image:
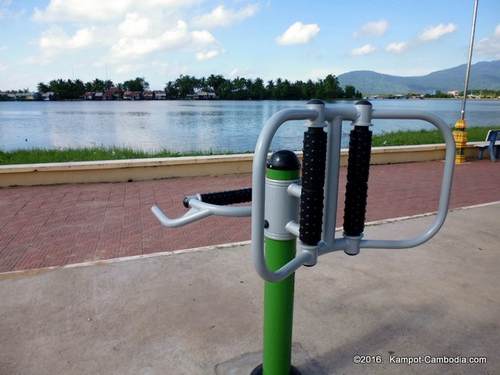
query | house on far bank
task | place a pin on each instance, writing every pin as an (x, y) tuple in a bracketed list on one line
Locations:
[(160, 95), (202, 94), (113, 93), (148, 95), (20, 96), (132, 95), (91, 95), (416, 96), (49, 95), (454, 93)]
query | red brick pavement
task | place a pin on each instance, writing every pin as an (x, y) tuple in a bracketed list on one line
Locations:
[(56, 225)]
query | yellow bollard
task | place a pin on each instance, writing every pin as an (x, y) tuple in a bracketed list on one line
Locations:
[(460, 135)]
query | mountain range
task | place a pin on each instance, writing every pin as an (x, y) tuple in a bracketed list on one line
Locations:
[(484, 75)]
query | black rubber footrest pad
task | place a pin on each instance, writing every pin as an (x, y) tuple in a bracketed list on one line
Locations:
[(224, 198)]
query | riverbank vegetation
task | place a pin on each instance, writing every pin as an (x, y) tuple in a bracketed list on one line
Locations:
[(190, 87), (256, 89), (423, 137), (399, 138)]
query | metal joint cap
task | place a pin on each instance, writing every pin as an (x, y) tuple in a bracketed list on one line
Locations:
[(313, 254), (352, 244), (319, 106), (364, 113)]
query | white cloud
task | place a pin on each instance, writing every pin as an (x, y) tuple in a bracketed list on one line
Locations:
[(101, 10), (127, 68), (3, 67), (363, 50), (397, 47), (134, 25), (178, 37), (202, 37), (373, 28), (221, 16), (55, 40), (436, 32), (490, 47), (74, 10), (207, 55), (298, 33)]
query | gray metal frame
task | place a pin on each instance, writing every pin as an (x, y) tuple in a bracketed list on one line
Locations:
[(335, 115)]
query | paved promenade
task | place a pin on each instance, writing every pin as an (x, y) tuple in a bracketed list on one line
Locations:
[(200, 312), (56, 225)]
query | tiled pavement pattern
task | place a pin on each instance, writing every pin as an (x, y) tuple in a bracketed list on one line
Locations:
[(63, 224)]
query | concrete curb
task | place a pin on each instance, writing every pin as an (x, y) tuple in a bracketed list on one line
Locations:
[(158, 168)]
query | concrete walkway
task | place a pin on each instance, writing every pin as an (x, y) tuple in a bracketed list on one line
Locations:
[(55, 225), (199, 312)]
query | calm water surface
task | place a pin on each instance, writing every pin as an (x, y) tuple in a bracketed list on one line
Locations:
[(188, 125)]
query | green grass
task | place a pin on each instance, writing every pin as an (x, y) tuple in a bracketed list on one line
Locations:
[(88, 154), (399, 138), (421, 137)]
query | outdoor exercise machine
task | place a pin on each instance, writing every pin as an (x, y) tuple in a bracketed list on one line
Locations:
[(288, 205)]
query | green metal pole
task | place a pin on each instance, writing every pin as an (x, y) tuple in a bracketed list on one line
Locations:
[(278, 297), (278, 310)]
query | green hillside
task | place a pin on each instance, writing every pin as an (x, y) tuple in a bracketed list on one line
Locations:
[(484, 75)]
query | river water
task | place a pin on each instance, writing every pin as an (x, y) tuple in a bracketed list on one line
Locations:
[(189, 125)]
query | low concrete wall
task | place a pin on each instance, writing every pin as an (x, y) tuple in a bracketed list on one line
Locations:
[(157, 168)]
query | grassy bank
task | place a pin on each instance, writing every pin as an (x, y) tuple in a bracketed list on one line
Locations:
[(422, 137), (87, 154), (91, 154)]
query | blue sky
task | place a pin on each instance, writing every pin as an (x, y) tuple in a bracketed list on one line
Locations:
[(161, 39)]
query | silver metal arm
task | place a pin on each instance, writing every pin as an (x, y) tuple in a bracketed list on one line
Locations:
[(189, 217), (199, 210)]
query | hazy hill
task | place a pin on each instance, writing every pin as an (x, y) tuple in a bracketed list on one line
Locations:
[(484, 75)]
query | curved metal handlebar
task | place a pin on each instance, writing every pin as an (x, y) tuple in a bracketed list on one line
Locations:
[(199, 210), (444, 195), (335, 115), (258, 194)]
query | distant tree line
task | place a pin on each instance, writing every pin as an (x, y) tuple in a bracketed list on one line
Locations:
[(256, 89), (187, 86), (76, 89), (439, 94)]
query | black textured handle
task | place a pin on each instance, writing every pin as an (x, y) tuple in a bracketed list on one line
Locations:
[(313, 180), (224, 198), (356, 191)]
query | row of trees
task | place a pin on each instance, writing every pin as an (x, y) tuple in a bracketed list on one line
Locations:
[(75, 89), (256, 89), (233, 89)]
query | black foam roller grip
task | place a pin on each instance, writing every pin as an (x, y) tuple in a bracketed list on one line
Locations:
[(356, 192), (224, 198), (313, 180)]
